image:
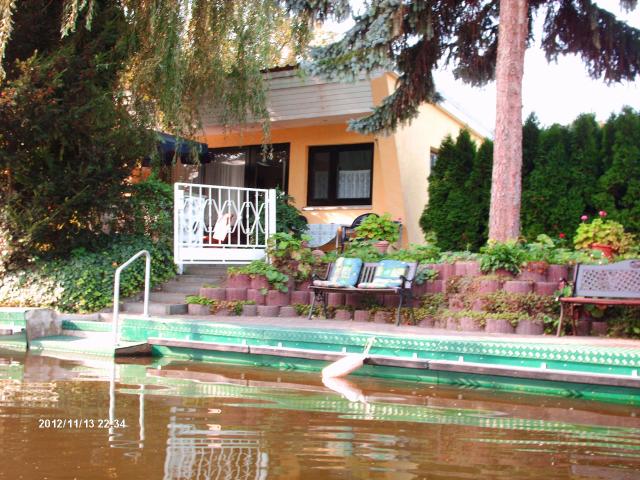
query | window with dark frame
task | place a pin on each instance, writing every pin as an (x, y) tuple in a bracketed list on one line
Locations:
[(433, 158), (340, 175)]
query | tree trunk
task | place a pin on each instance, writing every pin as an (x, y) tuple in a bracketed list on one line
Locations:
[(506, 180)]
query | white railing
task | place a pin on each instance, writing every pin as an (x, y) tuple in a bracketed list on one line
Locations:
[(115, 328), (218, 224)]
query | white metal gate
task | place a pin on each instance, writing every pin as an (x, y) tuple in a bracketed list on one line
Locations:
[(216, 224)]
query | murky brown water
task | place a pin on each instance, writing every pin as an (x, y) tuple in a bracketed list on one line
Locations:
[(194, 421)]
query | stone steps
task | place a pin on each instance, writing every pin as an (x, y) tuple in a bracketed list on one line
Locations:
[(167, 297), (155, 308)]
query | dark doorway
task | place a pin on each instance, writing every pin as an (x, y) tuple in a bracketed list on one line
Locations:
[(252, 167)]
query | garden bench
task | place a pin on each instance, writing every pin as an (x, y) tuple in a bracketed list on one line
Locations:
[(617, 284), (366, 275)]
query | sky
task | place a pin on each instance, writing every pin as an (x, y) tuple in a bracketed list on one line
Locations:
[(556, 92)]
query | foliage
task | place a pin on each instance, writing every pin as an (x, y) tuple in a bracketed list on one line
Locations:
[(425, 274), (84, 282), (567, 171), (148, 210), (288, 218), (290, 255), (363, 250), (67, 144), (530, 304), (605, 232), (449, 212), (198, 300), (378, 227), (279, 281), (619, 187), (414, 37), (502, 256), (181, 52), (416, 253)]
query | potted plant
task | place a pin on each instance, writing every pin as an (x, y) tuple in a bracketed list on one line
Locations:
[(603, 235), (503, 258), (538, 255), (379, 229)]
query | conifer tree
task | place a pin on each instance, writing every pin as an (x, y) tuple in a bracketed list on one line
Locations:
[(551, 201), (478, 188), (450, 210), (586, 163), (620, 184)]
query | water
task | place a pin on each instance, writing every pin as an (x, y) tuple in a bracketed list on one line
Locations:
[(198, 421)]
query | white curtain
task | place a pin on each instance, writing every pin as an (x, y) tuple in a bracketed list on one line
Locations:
[(228, 172), (354, 183)]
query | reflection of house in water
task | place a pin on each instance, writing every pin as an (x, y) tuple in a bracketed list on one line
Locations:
[(200, 454)]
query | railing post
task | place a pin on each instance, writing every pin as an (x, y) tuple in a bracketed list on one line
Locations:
[(271, 209), (115, 328), (177, 202)]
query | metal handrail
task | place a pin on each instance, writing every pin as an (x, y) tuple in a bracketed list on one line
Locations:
[(116, 291)]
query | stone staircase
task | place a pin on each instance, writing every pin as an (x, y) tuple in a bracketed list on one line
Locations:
[(169, 298)]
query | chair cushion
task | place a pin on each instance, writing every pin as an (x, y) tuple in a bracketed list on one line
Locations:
[(387, 275), (345, 273)]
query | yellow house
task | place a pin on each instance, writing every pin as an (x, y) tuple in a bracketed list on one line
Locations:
[(333, 174)]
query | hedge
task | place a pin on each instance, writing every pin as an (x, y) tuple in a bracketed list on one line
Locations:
[(84, 282)]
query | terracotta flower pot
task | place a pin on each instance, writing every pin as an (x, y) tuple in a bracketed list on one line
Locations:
[(382, 246), (259, 282), (530, 327), (607, 250), (239, 280), (197, 309), (468, 324), (496, 325), (361, 316)]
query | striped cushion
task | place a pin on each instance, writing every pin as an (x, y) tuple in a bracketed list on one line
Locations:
[(345, 273), (387, 275)]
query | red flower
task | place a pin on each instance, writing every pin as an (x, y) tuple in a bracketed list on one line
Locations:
[(584, 218), (602, 213), (562, 235)]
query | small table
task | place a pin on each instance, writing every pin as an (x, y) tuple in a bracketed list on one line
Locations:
[(321, 233)]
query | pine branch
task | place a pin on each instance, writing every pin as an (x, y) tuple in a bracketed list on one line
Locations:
[(609, 47)]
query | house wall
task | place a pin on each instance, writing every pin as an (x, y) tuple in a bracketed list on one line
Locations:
[(300, 139), (401, 164), (411, 146)]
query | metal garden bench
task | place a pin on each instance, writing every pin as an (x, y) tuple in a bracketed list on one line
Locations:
[(367, 273), (617, 284)]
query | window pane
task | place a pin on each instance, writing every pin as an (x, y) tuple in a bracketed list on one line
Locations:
[(354, 174), (321, 166), (226, 168)]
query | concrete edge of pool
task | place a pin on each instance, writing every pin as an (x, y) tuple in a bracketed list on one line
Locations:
[(606, 371)]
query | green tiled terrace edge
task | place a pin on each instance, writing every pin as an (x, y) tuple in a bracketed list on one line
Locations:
[(86, 326), (567, 357)]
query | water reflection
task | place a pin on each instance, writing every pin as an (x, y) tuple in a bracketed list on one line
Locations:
[(194, 452), (199, 421)]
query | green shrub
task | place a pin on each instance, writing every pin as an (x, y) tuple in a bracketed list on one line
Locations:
[(275, 278), (427, 253), (378, 228), (288, 218), (84, 282), (149, 210), (502, 256)]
